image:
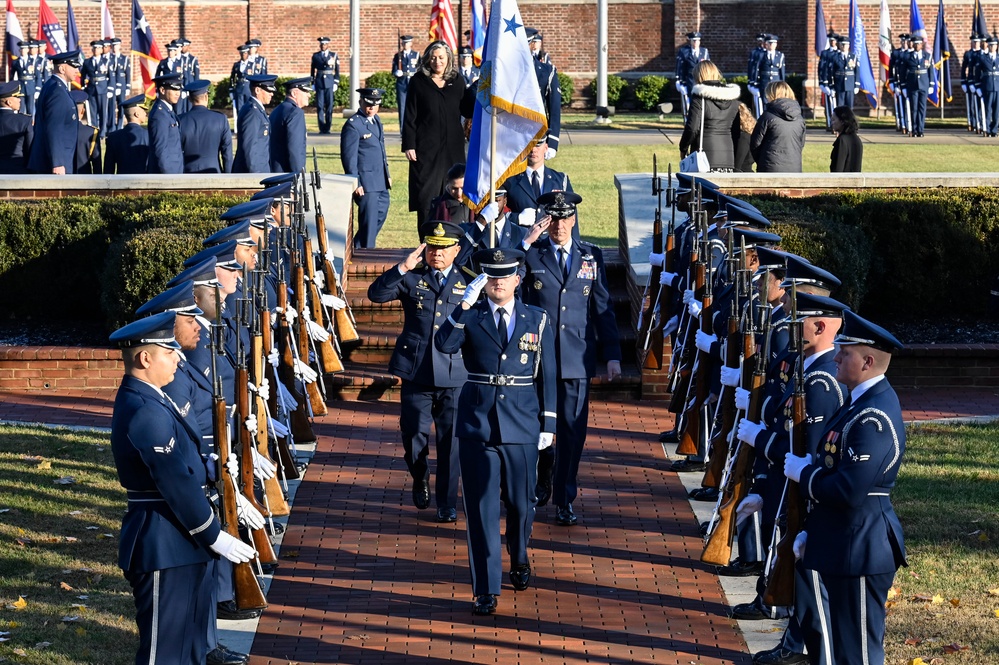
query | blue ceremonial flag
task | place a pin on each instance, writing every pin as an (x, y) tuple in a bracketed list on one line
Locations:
[(821, 32), (508, 94), (72, 34), (144, 46), (858, 44), (940, 74), (978, 26), (916, 26)]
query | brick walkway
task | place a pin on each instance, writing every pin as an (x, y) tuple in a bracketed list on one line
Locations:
[(366, 578)]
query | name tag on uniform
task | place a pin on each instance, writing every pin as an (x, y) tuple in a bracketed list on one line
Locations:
[(539, 272)]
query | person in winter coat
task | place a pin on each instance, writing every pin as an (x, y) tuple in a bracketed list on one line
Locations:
[(779, 137), (718, 103), (741, 136), (847, 151)]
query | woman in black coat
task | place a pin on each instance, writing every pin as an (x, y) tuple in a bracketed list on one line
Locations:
[(847, 151), (779, 137), (433, 137), (719, 103)]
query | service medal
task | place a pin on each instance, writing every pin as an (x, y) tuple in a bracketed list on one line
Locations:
[(830, 461), (523, 358), (537, 285)]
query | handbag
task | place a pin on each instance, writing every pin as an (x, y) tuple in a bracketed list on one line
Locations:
[(697, 162)]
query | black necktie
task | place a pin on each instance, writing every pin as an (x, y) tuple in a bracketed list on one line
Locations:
[(562, 263), (440, 278), (536, 184), (501, 325)]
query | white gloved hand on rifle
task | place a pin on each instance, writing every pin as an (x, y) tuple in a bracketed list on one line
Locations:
[(799, 545), (671, 325), (473, 289), (304, 372), (794, 465), (248, 515), (742, 399), (251, 424), (280, 431), (666, 278), (333, 302), (273, 357), (317, 332), (319, 280), (330, 256), (748, 431), (264, 390), (233, 549), (748, 507), (730, 376), (657, 260), (703, 341), (232, 466), (290, 314), (545, 440), (263, 468)]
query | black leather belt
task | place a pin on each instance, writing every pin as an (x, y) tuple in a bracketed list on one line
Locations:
[(500, 379)]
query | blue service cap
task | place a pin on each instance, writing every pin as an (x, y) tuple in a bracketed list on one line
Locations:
[(802, 272), (499, 262), (171, 81), (752, 238), (240, 232), (809, 304), (198, 86), (685, 181), (179, 299), (739, 216), (134, 101), (96, 42), (243, 48), (259, 209), (199, 274), (772, 38), (10, 89), (560, 204), (224, 253), (281, 191), (773, 259), (183, 41), (277, 179), (254, 42), (858, 330), (156, 329), (79, 96), (303, 83), (370, 96), (266, 81), (323, 40), (694, 35), (68, 57)]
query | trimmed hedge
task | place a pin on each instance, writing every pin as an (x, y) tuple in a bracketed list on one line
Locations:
[(566, 87), (385, 81), (649, 91), (616, 87)]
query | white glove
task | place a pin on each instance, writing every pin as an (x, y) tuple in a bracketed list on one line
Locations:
[(749, 506), (753, 89), (397, 72), (263, 468), (319, 280), (550, 153), (929, 91), (799, 545), (333, 302), (273, 358), (703, 341), (251, 424), (330, 256), (964, 87), (748, 431), (671, 325), (264, 390), (290, 314), (473, 289), (317, 332), (794, 465), (233, 549), (730, 376), (978, 92), (248, 515), (280, 431), (682, 89), (490, 211), (110, 94), (856, 90), (336, 86), (666, 278), (545, 440), (694, 307), (285, 398), (232, 466), (527, 217), (211, 466), (304, 372), (688, 296), (742, 399), (657, 259)]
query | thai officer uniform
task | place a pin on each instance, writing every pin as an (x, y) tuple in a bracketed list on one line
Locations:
[(988, 73), (917, 85), (843, 73), (55, 124), (363, 155), (288, 135), (572, 288), (239, 87), (205, 137), (253, 152), (165, 152), (16, 133), (853, 541), (326, 79), (127, 150), (430, 378), (506, 410), (404, 66)]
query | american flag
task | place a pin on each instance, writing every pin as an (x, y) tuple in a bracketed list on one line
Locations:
[(442, 24)]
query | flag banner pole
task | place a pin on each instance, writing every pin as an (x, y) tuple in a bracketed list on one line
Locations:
[(492, 175)]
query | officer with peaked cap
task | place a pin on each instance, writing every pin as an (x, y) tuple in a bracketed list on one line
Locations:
[(524, 189), (918, 84), (770, 67), (165, 152), (253, 152), (404, 65), (24, 68), (127, 150), (87, 158), (94, 79), (325, 75), (205, 137), (363, 155), (429, 285), (56, 120), (506, 413), (551, 94), (288, 136), (121, 68), (468, 71), (687, 57), (169, 534), (16, 130), (239, 88), (566, 277)]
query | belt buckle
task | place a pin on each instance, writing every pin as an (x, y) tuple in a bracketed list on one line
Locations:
[(501, 380)]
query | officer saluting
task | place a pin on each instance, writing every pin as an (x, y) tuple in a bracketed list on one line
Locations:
[(16, 130), (169, 534), (326, 79), (404, 65), (506, 412)]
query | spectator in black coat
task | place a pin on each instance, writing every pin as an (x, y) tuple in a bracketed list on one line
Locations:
[(779, 137), (741, 136), (718, 103), (847, 150)]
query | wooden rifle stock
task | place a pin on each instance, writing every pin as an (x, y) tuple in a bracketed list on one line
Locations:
[(301, 428), (315, 396), (284, 456), (650, 350), (328, 357), (346, 329), (265, 551), (684, 368), (719, 443), (276, 501), (702, 388)]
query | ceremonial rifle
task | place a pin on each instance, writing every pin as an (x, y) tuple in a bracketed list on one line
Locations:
[(687, 353), (650, 352), (328, 358)]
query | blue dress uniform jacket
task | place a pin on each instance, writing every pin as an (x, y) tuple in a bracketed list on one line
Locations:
[(520, 193), (200, 359), (917, 84), (686, 60), (191, 391), (287, 144), (88, 150), (55, 129), (165, 152), (24, 68), (253, 152), (404, 65), (843, 75), (551, 93), (510, 235), (768, 70), (325, 73), (16, 135), (988, 72), (127, 150), (94, 79), (362, 154), (205, 139)]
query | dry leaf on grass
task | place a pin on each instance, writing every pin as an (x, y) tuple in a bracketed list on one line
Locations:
[(19, 604), (912, 641), (954, 647), (922, 598), (892, 593), (20, 652), (76, 512), (44, 464), (937, 599), (23, 542), (65, 587), (917, 661), (956, 602)]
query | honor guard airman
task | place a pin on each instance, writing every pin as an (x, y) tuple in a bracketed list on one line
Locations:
[(326, 79), (127, 150), (752, 70), (404, 66), (166, 154), (494, 218), (288, 135), (969, 81), (56, 119), (918, 85), (770, 67), (16, 130), (535, 41), (122, 80), (239, 87), (988, 75), (362, 155), (253, 152), (466, 68), (190, 70), (551, 95), (172, 64), (506, 413), (687, 57), (94, 79), (24, 70), (258, 61), (843, 73), (205, 137)]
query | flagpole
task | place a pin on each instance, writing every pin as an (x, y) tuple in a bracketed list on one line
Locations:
[(492, 173)]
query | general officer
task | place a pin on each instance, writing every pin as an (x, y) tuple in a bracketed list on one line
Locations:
[(56, 119), (524, 189), (16, 130), (253, 152), (505, 415), (988, 71), (239, 87), (843, 73), (566, 278), (687, 57), (288, 136), (551, 94), (917, 84), (852, 543), (326, 79), (205, 137), (165, 152), (127, 150), (87, 157), (169, 535), (404, 66), (362, 154), (430, 286)]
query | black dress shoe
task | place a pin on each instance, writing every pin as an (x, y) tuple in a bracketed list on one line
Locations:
[(544, 493), (520, 576), (447, 515), (779, 656), (686, 465), (421, 494), (222, 655), (269, 568), (229, 612), (564, 516), (704, 494), (740, 568), (749, 612), (669, 436), (484, 604), (703, 528)]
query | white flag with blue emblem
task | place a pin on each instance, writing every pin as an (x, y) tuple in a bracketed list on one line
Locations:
[(508, 89)]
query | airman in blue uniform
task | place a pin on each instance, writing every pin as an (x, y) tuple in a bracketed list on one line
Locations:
[(190, 69), (239, 87), (430, 285), (506, 413), (988, 71), (566, 278), (24, 70), (288, 135), (752, 70), (205, 137), (917, 84), (362, 154), (94, 78), (258, 62), (524, 189), (466, 68), (404, 65), (843, 73), (170, 535), (166, 154), (326, 79), (969, 81), (770, 67), (44, 68), (127, 150), (551, 93), (87, 158), (16, 130), (56, 119), (121, 66), (687, 57), (253, 152)]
